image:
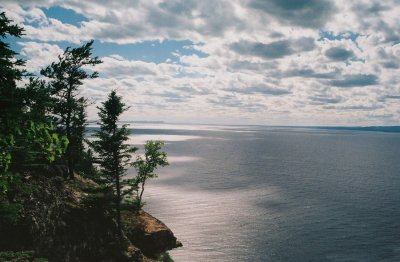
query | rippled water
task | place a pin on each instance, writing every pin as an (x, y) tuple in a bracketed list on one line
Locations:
[(278, 194)]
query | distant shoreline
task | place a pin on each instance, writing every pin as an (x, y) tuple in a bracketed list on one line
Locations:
[(386, 129)]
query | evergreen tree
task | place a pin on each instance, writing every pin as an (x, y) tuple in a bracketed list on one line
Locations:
[(78, 131), (26, 140), (11, 71), (37, 101), (10, 102), (114, 154), (67, 75)]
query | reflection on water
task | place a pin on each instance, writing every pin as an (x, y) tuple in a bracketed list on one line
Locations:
[(141, 139), (280, 194), (180, 159), (209, 223)]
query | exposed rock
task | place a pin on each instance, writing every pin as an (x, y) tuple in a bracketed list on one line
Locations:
[(149, 234), (134, 254), (66, 220)]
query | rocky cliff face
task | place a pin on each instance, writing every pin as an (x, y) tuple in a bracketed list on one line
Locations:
[(149, 234), (65, 221)]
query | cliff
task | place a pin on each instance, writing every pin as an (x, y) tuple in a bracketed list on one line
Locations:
[(68, 220), (149, 234)]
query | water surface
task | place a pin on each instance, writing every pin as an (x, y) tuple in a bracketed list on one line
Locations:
[(278, 194)]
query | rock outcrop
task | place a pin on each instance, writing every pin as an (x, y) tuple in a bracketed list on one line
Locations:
[(149, 234), (67, 221)]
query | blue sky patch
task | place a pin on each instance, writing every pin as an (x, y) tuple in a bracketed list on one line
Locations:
[(149, 51), (66, 16), (331, 36)]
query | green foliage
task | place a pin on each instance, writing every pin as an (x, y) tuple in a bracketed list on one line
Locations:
[(9, 213), (34, 145), (86, 166), (165, 257), (113, 153), (79, 118), (48, 144), (40, 260), (26, 137), (46, 120), (97, 198), (66, 76), (131, 199), (6, 143), (18, 256), (10, 72), (37, 101), (153, 158)]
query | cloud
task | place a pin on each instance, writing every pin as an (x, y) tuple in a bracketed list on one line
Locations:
[(305, 13), (320, 100), (389, 57), (302, 58), (272, 50), (261, 89), (384, 98), (380, 18), (232, 101), (391, 64), (355, 80), (310, 73), (339, 54), (238, 65), (39, 54), (171, 97), (360, 107), (116, 67), (189, 90)]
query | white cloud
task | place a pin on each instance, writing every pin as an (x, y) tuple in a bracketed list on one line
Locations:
[(39, 54), (268, 61)]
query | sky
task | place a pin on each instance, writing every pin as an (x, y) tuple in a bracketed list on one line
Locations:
[(267, 62)]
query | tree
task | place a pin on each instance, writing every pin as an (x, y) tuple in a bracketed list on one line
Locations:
[(10, 102), (11, 71), (33, 146), (37, 101), (66, 76), (78, 119), (114, 154), (25, 142), (153, 158)]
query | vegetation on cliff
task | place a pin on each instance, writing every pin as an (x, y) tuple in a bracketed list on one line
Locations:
[(114, 154), (66, 76), (62, 197)]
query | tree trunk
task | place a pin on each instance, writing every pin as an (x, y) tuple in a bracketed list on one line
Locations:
[(141, 194), (70, 163), (118, 187), (68, 130), (118, 206)]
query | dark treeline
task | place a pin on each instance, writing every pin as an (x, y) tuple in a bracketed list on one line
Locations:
[(42, 126)]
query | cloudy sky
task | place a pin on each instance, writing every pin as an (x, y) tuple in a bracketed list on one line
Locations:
[(274, 62)]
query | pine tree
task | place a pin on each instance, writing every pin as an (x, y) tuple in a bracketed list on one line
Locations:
[(114, 154), (10, 72), (37, 101), (67, 75), (27, 141)]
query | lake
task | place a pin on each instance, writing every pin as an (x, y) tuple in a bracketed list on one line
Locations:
[(254, 193)]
